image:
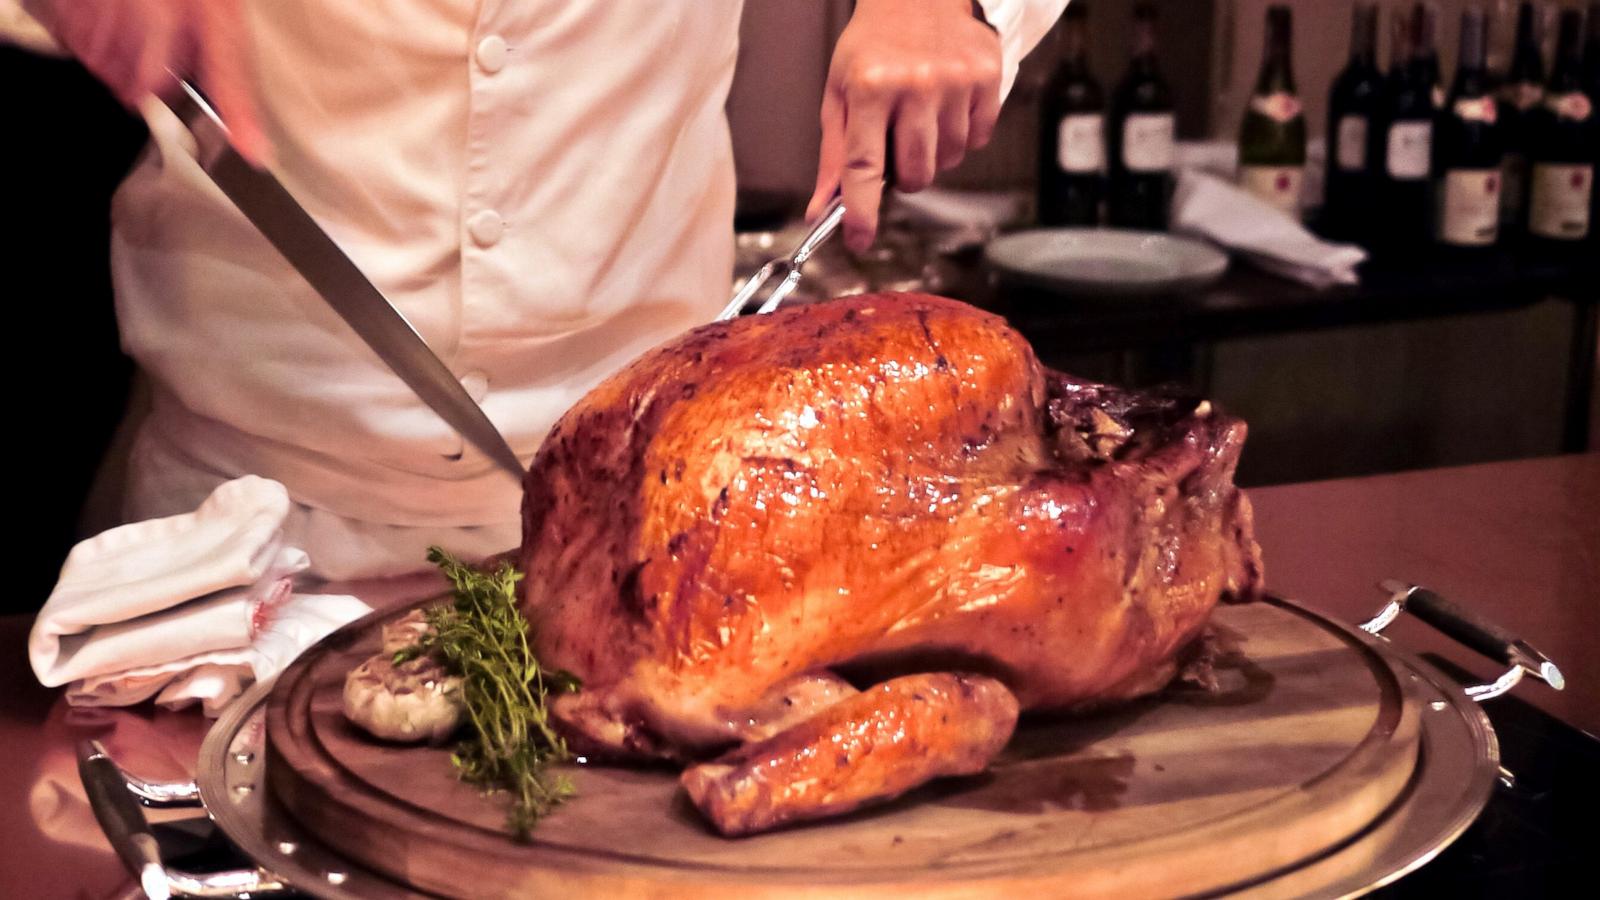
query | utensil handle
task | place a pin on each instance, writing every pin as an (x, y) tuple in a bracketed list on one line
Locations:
[(1471, 630), (1463, 625), (120, 817), (116, 808)]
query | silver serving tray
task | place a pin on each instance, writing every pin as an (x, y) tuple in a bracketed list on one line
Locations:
[(1458, 767)]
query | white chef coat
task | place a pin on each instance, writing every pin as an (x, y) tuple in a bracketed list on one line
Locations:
[(543, 187)]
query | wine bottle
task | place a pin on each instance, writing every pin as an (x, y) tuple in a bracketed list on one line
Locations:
[(1407, 141), (1562, 146), (1466, 148), (1141, 136), (1354, 114), (1272, 138), (1425, 51), (1072, 132), (1520, 92), (1591, 80), (1591, 53)]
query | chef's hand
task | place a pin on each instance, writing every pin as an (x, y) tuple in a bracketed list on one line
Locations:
[(929, 69), (130, 45)]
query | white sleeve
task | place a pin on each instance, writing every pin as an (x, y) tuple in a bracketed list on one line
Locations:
[(1021, 24), (19, 27)]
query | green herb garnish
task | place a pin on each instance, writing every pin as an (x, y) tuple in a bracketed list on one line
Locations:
[(483, 637)]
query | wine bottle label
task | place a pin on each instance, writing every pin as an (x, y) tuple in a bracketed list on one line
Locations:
[(1281, 107), (1147, 140), (1080, 143), (1352, 154), (1574, 105), (1469, 207), (1438, 96), (1277, 185), (1410, 149), (1559, 206), (1524, 95), (1480, 109)]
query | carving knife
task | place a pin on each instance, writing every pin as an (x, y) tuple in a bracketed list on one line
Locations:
[(270, 207)]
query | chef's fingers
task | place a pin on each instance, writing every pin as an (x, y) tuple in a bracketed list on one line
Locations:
[(866, 118), (830, 159), (985, 103), (916, 139), (955, 117), (222, 74)]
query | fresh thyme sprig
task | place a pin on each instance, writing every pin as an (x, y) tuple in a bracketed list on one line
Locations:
[(483, 637)]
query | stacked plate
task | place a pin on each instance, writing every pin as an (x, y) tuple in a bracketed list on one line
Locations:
[(1106, 261)]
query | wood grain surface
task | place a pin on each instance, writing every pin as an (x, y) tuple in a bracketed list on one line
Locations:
[(1312, 737)]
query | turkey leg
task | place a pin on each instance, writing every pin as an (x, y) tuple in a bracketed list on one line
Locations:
[(866, 748)]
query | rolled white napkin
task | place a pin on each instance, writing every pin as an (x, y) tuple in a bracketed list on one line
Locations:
[(185, 608), (1214, 209)]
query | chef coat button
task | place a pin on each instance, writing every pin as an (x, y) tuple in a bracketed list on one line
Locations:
[(486, 227), (476, 385), (492, 53)]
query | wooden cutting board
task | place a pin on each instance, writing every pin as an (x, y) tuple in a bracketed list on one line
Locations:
[(1311, 739)]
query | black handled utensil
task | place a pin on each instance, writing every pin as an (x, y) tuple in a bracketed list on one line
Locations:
[(1471, 630)]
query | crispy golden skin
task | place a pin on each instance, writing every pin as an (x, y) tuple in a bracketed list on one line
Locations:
[(870, 747)]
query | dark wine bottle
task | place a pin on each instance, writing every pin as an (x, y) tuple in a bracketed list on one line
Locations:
[(1408, 142), (1562, 146), (1591, 53), (1425, 52), (1467, 150), (1591, 80), (1272, 138), (1520, 92), (1142, 132), (1354, 115), (1072, 149)]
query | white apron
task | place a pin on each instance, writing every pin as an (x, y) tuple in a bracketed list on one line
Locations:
[(544, 188)]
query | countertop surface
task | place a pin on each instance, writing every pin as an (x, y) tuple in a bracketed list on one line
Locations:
[(1518, 541)]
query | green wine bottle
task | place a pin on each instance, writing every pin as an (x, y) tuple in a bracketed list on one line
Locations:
[(1272, 139)]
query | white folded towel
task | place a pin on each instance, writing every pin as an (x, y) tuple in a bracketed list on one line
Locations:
[(1214, 209), (185, 608)]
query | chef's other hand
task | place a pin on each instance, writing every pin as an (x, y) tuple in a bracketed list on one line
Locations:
[(930, 69), (130, 45)]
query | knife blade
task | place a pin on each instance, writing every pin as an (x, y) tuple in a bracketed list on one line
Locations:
[(288, 227)]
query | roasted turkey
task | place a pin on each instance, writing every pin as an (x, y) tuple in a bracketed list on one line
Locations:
[(827, 554)]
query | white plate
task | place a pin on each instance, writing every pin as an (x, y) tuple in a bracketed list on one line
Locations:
[(1106, 260)]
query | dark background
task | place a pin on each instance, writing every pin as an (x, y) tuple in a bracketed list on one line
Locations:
[(65, 145)]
